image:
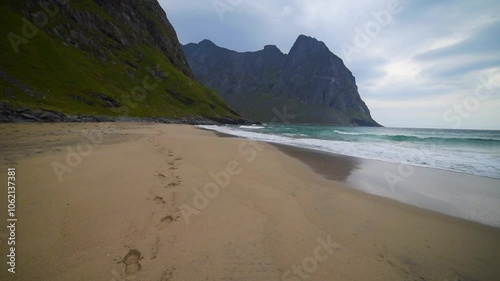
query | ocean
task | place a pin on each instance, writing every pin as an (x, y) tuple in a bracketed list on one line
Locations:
[(464, 179), (475, 152)]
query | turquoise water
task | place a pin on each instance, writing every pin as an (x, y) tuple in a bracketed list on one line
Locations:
[(467, 151)]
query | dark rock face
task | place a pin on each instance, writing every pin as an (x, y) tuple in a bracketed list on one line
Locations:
[(149, 22), (144, 22), (310, 84)]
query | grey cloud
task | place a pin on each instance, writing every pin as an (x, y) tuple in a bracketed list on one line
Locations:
[(484, 41), (450, 71)]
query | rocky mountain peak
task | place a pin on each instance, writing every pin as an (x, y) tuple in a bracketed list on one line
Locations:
[(307, 44), (272, 49), (207, 43), (312, 83)]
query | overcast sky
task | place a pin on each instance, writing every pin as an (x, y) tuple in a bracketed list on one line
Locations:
[(417, 63)]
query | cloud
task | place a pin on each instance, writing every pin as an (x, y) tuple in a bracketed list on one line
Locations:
[(430, 52), (485, 41)]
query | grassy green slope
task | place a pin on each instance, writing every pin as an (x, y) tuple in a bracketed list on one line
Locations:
[(69, 80)]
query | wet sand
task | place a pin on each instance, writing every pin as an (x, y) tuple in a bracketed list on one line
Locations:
[(455, 194), (171, 202)]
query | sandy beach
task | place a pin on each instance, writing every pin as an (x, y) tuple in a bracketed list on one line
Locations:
[(122, 201)]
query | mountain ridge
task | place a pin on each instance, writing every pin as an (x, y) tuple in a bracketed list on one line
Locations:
[(309, 81)]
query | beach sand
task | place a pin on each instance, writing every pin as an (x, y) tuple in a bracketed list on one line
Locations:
[(173, 202)]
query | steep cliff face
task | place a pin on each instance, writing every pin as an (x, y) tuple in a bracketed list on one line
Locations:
[(106, 57), (310, 84)]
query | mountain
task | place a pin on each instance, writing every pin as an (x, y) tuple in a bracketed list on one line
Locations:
[(308, 85), (99, 57)]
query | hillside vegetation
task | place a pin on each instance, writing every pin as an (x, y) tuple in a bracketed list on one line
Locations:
[(111, 58)]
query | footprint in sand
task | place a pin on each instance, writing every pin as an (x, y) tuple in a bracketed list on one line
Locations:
[(165, 221), (173, 184), (131, 261), (159, 200), (162, 177)]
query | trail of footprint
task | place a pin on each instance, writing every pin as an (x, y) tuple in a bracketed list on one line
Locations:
[(165, 198), (169, 181), (152, 140)]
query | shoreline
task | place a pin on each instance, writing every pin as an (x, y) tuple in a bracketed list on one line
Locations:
[(254, 213), (367, 175), (385, 179), (11, 115), (296, 142)]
